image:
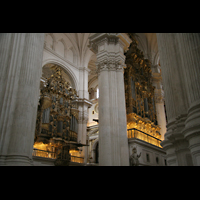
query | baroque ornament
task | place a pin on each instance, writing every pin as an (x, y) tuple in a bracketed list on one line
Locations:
[(139, 96), (57, 120)]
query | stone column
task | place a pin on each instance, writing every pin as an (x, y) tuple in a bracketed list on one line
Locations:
[(189, 46), (159, 100), (170, 151), (175, 96), (160, 112), (113, 141), (21, 66), (83, 104)]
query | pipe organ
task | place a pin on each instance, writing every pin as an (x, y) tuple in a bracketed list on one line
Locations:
[(139, 95), (57, 118)]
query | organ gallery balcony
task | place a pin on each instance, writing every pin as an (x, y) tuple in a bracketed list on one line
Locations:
[(134, 133)]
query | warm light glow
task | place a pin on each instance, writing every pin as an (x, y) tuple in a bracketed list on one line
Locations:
[(48, 151), (40, 145), (134, 121), (97, 93), (74, 153), (91, 123), (43, 150), (75, 156)]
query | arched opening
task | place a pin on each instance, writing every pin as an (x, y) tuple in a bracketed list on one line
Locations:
[(57, 115), (47, 72), (65, 68)]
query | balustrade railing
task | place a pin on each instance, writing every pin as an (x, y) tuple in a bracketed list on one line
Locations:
[(134, 133), (53, 155)]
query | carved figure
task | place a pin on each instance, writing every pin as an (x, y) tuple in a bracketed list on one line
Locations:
[(134, 157)]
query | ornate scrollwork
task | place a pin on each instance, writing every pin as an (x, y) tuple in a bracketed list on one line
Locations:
[(139, 91), (56, 110)]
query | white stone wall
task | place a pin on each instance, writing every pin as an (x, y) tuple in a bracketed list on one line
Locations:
[(145, 148)]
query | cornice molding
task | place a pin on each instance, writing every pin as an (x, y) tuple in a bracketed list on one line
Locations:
[(84, 68), (85, 101)]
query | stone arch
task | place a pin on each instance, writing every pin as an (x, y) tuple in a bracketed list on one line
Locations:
[(142, 42), (93, 82), (66, 68), (93, 131)]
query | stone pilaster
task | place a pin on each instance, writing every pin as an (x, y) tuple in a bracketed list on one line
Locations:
[(113, 142), (189, 45), (21, 64)]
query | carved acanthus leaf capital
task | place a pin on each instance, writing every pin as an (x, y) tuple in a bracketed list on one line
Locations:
[(110, 65)]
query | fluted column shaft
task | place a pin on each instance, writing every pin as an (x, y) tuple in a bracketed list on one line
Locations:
[(105, 154), (171, 74), (175, 96), (189, 45), (113, 141), (122, 116), (21, 63)]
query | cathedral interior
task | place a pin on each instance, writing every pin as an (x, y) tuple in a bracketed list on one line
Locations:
[(100, 99)]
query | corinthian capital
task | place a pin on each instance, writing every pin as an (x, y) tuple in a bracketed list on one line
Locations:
[(109, 65), (109, 48)]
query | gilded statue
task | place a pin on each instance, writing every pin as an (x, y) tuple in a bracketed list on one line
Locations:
[(134, 157)]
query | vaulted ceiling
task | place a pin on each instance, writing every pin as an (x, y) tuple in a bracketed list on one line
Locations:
[(147, 42)]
